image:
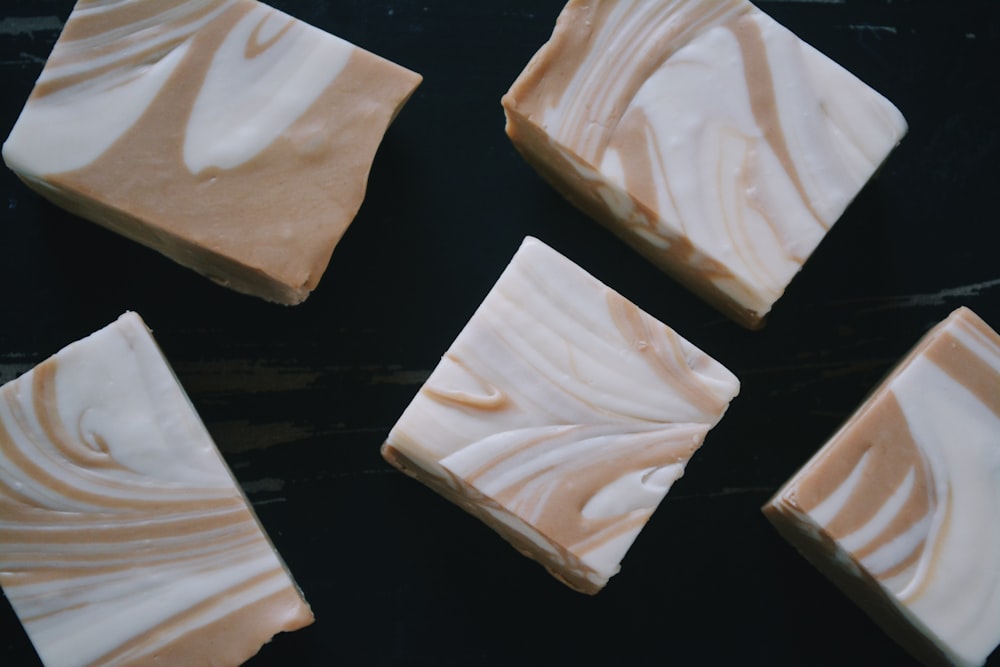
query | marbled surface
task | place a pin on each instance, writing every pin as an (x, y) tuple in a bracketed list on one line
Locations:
[(909, 490), (168, 121), (710, 137), (299, 400), (561, 415), (124, 539)]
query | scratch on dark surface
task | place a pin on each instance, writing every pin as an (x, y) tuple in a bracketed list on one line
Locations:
[(240, 376), (241, 435), (269, 501), (238, 436), (25, 59), (387, 470), (400, 376), (29, 25), (266, 485), (827, 370), (243, 376), (725, 491), (11, 371), (939, 298), (864, 27)]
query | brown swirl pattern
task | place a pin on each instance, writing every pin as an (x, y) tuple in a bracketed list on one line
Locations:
[(907, 494), (704, 134), (123, 537), (225, 134), (561, 415)]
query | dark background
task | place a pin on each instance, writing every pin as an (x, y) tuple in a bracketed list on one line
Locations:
[(299, 399)]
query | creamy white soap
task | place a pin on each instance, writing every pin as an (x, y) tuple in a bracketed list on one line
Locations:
[(705, 134), (124, 539), (561, 415), (224, 134), (902, 506)]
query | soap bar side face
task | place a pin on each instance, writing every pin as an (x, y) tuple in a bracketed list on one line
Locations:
[(226, 135), (123, 536), (561, 415), (706, 135), (908, 491)]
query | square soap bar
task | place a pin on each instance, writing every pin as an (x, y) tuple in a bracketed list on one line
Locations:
[(901, 508), (560, 416), (124, 539), (705, 134), (228, 136)]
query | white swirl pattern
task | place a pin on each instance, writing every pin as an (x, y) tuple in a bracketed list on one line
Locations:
[(725, 136), (123, 537), (561, 415), (910, 493), (225, 134), (248, 102)]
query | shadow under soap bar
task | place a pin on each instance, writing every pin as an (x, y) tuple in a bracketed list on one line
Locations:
[(228, 136)]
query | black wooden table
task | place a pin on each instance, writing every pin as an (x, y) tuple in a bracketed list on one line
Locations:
[(300, 399)]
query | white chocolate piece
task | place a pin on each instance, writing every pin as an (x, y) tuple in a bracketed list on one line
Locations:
[(124, 539), (225, 134), (901, 508), (705, 134), (560, 416)]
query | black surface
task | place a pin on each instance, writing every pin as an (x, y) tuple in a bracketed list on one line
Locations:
[(299, 399)]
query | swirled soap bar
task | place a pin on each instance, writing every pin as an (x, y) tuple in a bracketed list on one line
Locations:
[(705, 134), (901, 508), (560, 416), (124, 539), (228, 136)]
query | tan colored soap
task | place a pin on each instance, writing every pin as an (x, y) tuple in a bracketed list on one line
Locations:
[(124, 539), (706, 135), (225, 134), (561, 416), (901, 508)]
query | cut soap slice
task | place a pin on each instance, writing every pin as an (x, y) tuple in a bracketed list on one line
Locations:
[(228, 136), (901, 508), (560, 416), (705, 134), (124, 539)]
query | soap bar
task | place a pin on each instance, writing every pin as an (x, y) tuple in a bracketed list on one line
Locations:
[(704, 134), (124, 539), (560, 416), (225, 134), (901, 508)]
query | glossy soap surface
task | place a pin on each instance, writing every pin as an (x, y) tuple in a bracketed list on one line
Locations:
[(123, 537)]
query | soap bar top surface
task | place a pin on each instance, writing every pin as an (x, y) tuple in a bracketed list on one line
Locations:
[(705, 134), (909, 488), (561, 415), (231, 137), (124, 539)]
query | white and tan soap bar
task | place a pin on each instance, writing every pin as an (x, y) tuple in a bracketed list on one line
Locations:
[(124, 539), (705, 134), (225, 134), (901, 508), (560, 416)]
